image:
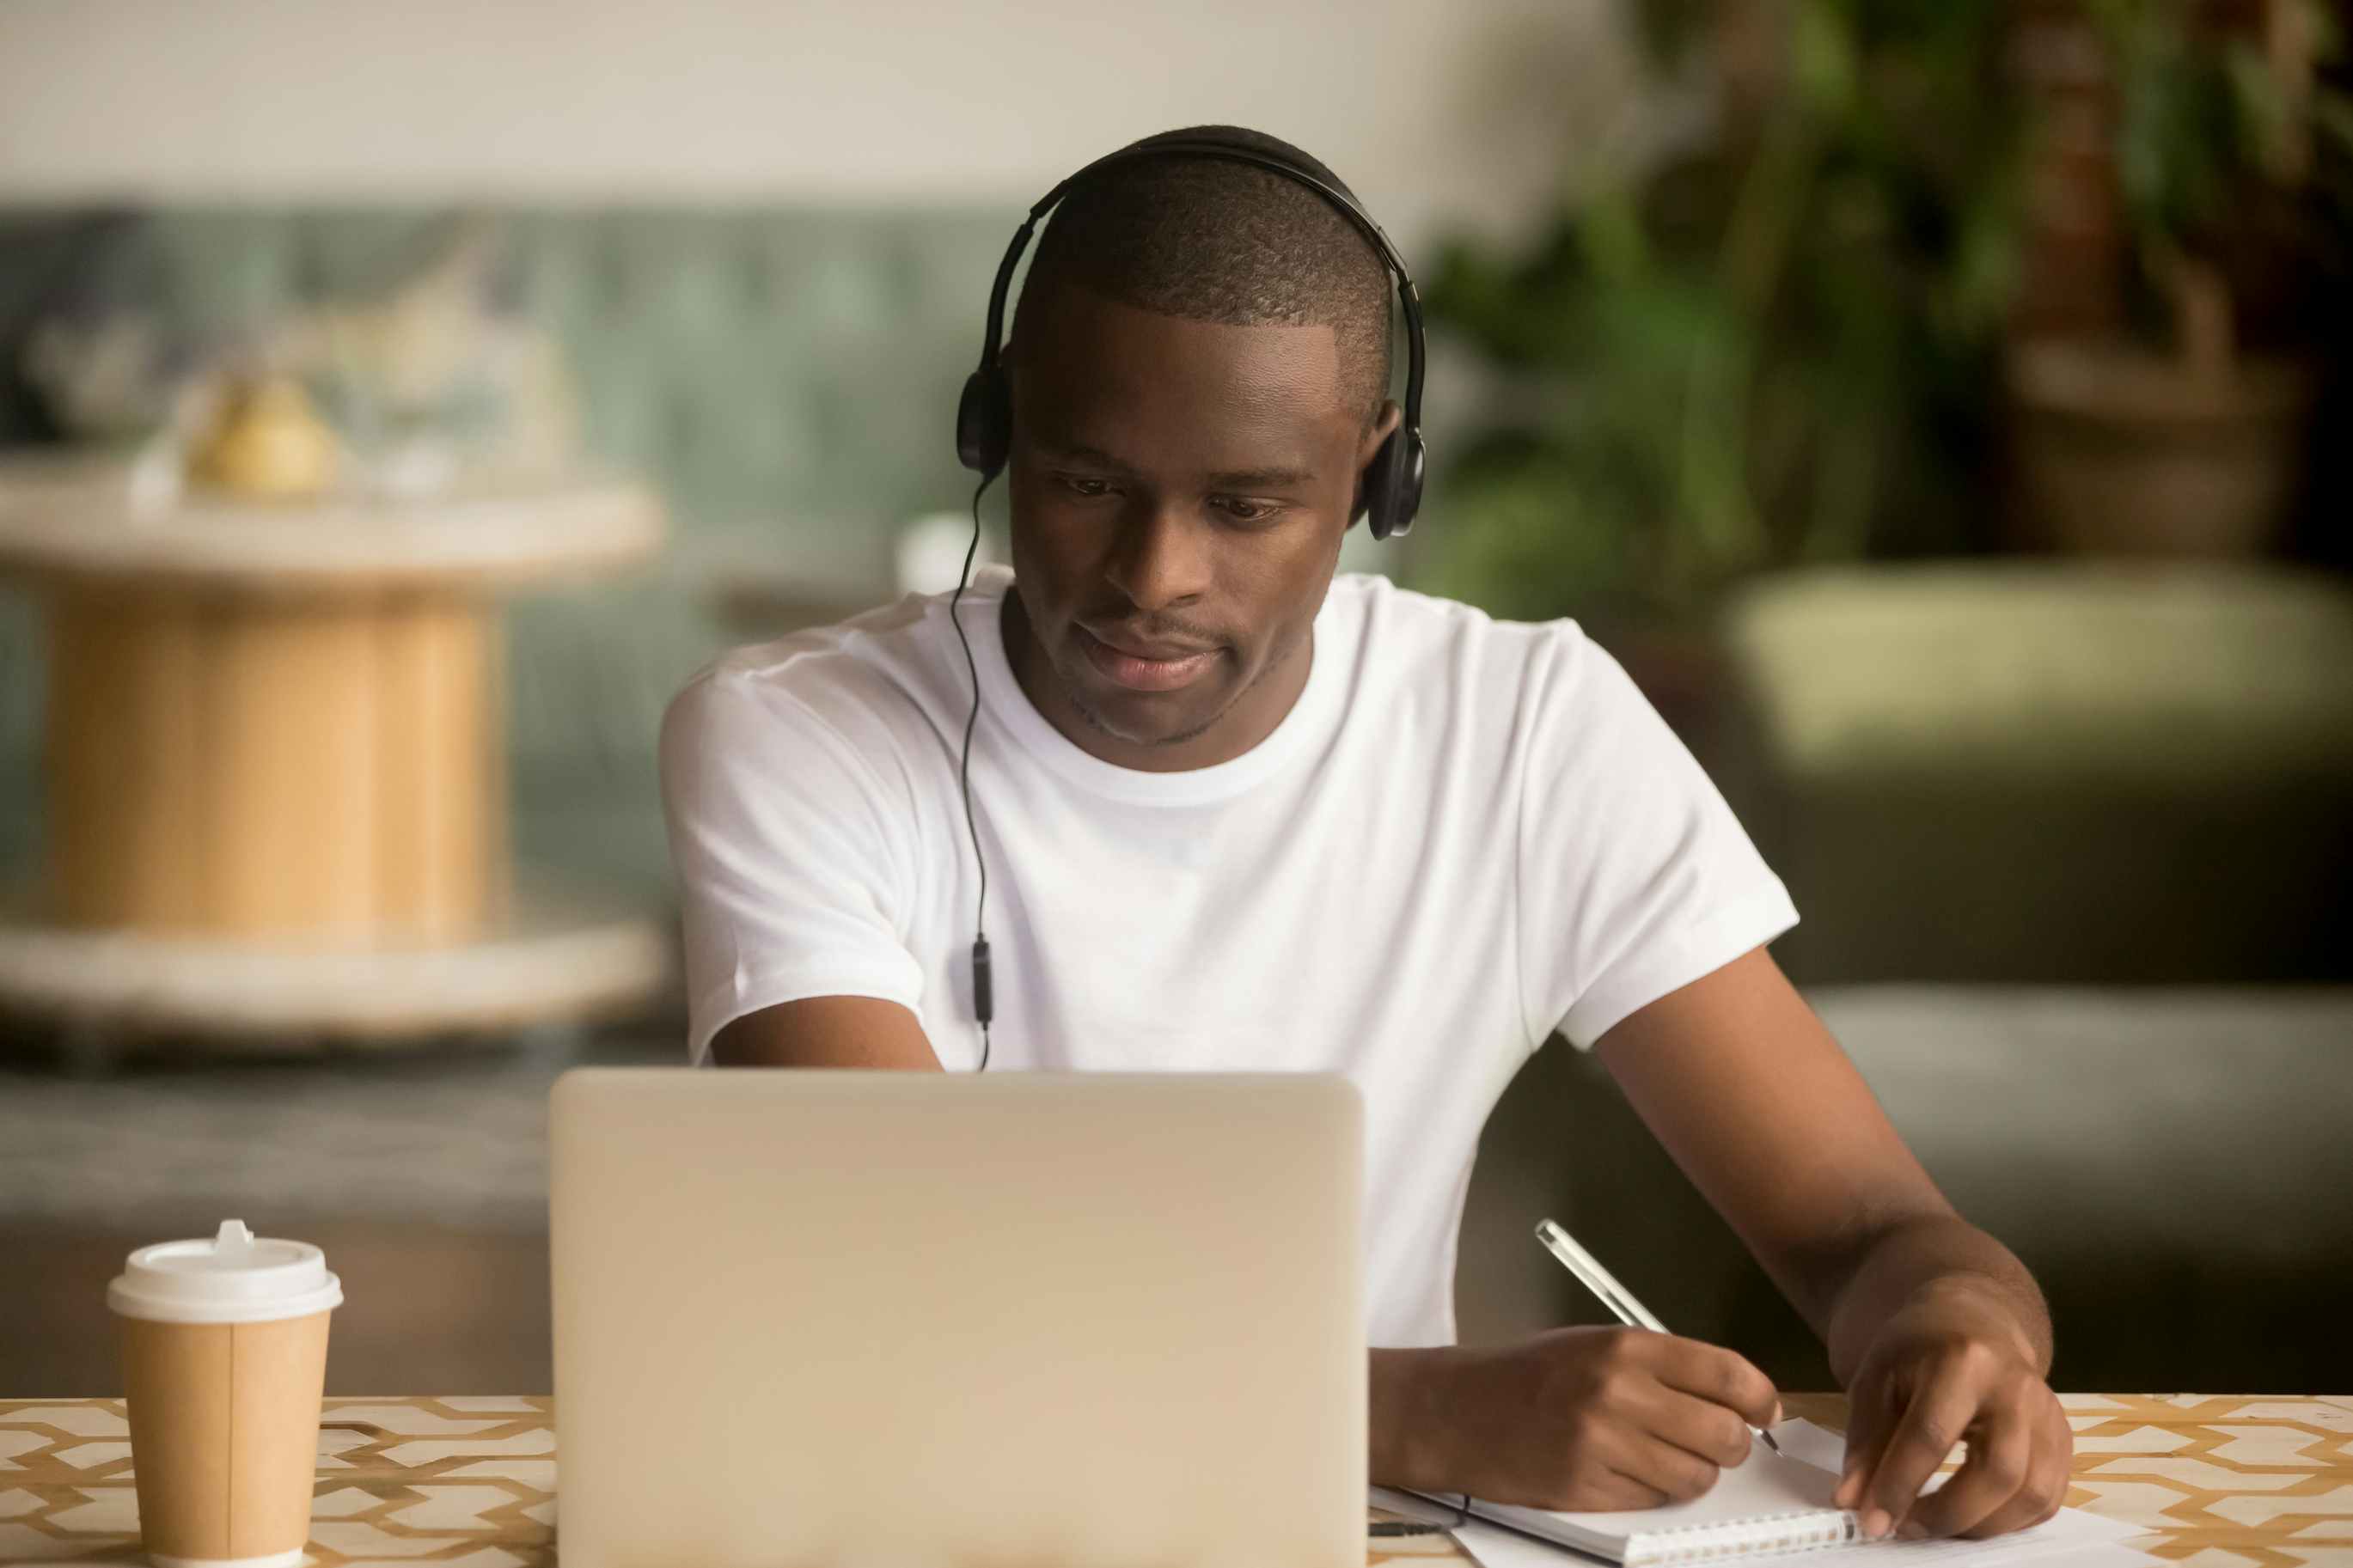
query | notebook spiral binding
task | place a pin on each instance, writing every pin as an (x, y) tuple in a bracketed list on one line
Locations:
[(1753, 1536)]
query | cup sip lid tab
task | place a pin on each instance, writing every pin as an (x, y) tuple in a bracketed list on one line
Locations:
[(232, 1277)]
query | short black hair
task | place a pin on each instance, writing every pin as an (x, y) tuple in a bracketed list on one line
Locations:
[(1210, 239)]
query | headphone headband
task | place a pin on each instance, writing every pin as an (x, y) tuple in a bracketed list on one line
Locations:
[(1408, 298)]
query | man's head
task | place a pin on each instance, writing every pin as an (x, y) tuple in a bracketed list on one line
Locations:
[(1199, 373)]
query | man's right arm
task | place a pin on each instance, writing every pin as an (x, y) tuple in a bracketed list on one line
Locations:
[(797, 861), (827, 1031)]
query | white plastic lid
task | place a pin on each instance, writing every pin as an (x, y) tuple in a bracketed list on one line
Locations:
[(233, 1277)]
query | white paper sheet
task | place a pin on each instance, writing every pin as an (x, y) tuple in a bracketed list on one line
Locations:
[(2071, 1538)]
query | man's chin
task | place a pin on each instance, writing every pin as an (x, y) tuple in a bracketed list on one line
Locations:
[(1144, 717)]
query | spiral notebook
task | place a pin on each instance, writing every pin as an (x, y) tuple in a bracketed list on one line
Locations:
[(1777, 1503), (1769, 1504)]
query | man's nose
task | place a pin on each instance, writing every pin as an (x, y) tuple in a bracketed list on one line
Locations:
[(1163, 558)]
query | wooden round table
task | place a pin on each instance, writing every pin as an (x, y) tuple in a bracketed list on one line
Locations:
[(274, 760)]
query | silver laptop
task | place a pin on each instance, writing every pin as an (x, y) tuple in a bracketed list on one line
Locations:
[(877, 1318)]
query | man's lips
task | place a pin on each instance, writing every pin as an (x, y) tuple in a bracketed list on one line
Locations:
[(1144, 665)]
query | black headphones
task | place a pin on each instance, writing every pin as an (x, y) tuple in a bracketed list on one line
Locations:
[(1392, 482)]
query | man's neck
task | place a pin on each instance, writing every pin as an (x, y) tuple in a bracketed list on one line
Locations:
[(1250, 719)]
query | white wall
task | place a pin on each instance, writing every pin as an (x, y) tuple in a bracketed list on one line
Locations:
[(1436, 110)]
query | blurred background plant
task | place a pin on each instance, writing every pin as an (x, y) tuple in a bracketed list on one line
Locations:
[(2165, 405), (1781, 342), (2234, 165), (1774, 346)]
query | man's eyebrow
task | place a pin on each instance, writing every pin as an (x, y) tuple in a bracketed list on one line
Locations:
[(1269, 478), (1262, 480), (1083, 453)]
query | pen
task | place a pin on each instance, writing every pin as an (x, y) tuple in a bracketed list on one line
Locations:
[(1612, 1295)]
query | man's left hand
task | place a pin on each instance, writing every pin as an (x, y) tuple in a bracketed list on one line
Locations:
[(1947, 1367)]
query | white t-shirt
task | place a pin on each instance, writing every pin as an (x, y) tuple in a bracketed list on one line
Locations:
[(1466, 835)]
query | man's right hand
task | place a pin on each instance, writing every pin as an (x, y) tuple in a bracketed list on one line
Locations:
[(1575, 1419)]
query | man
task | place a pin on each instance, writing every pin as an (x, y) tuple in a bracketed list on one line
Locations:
[(1237, 814)]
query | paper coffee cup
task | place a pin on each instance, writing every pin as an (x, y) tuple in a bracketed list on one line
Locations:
[(225, 1359)]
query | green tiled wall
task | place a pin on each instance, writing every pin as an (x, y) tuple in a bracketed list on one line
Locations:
[(787, 377)]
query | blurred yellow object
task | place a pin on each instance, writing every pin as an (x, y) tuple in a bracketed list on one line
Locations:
[(268, 443)]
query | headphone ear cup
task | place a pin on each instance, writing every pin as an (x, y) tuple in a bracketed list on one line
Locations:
[(985, 422), (1404, 478), (1373, 490), (1392, 483)]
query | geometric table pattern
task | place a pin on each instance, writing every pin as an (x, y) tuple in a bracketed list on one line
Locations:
[(2264, 1480), (2215, 1481), (2251, 1480), (461, 1480)]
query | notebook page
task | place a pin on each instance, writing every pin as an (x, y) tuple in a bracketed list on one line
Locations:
[(1493, 1546), (2073, 1538), (1766, 1486)]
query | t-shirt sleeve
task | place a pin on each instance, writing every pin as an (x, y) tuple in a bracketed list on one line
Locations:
[(1635, 878), (793, 874)]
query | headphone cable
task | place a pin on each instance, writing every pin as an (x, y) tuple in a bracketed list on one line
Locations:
[(983, 992)]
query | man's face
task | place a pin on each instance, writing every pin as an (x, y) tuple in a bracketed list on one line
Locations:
[(1179, 491)]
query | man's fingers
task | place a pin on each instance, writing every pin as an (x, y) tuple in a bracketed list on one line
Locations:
[(2033, 1505), (1699, 1426), (1677, 1474), (2045, 1488), (1859, 1452), (1867, 1426), (1939, 1413), (2000, 1466), (1717, 1375), (1619, 1489)]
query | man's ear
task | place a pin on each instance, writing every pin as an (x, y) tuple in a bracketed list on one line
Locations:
[(1384, 424)]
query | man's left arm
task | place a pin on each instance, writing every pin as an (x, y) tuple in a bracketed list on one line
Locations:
[(1935, 1328)]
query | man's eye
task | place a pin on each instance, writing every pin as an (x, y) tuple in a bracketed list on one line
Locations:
[(1243, 511), (1079, 484)]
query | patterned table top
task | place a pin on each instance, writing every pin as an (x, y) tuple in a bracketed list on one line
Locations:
[(2214, 1479)]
